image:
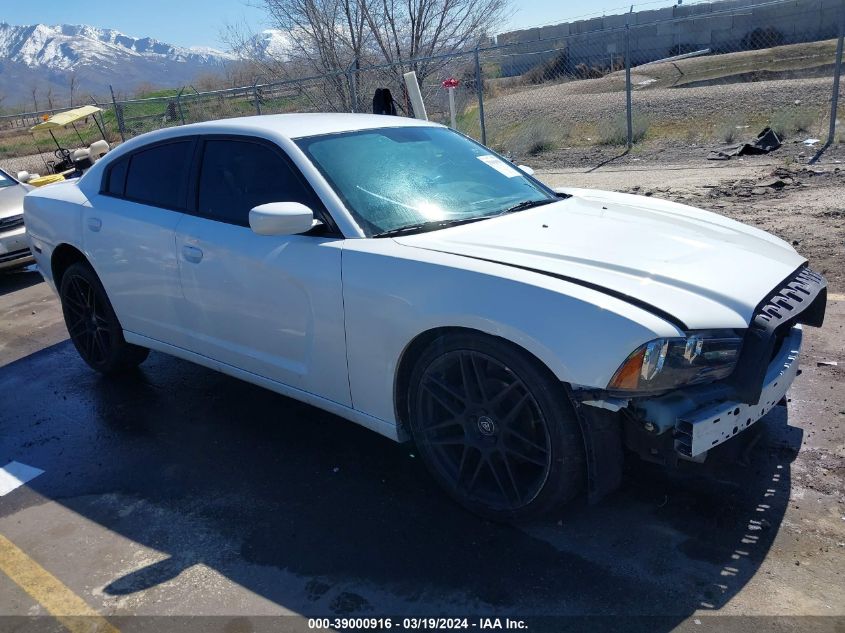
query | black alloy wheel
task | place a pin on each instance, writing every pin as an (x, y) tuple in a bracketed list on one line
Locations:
[(93, 325), (495, 428)]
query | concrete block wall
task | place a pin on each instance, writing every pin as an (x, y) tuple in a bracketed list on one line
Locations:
[(658, 33)]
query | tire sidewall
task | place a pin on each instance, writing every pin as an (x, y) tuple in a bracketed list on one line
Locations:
[(565, 477), (115, 332)]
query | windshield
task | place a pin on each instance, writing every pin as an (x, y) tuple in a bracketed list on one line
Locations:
[(396, 178), (5, 180)]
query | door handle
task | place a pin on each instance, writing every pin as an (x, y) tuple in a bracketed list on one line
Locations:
[(191, 254), (95, 224)]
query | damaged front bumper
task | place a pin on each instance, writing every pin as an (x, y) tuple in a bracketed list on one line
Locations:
[(681, 425), (701, 418), (686, 423)]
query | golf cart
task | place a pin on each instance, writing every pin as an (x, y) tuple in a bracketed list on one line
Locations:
[(68, 163)]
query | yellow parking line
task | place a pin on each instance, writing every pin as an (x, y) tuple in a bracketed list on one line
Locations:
[(832, 296), (68, 608)]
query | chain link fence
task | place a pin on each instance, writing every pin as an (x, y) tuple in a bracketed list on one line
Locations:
[(705, 78), (710, 80)]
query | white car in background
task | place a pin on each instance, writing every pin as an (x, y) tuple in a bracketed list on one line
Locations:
[(400, 275), (14, 247)]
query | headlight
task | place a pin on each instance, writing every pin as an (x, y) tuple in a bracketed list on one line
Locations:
[(667, 363)]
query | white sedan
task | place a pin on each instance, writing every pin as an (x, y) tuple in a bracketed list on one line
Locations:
[(401, 275)]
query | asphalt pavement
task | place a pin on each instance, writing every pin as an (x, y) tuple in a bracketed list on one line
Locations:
[(177, 497)]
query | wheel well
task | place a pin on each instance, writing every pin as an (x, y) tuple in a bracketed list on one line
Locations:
[(601, 434), (63, 256), (416, 347)]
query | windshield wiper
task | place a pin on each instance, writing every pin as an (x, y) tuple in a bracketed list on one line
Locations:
[(434, 225), (527, 204)]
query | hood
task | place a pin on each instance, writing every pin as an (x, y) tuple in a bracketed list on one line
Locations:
[(11, 200), (705, 270)]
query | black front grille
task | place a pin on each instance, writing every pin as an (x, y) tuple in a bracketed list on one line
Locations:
[(12, 222), (801, 298)]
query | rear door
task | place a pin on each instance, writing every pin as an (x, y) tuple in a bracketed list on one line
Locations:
[(270, 305), (128, 233)]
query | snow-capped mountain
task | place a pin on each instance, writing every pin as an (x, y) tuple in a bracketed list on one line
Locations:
[(44, 55), (266, 45), (272, 43)]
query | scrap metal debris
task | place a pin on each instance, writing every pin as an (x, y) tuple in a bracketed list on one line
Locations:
[(766, 141)]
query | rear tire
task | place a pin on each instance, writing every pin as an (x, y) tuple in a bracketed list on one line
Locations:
[(495, 427), (92, 324)]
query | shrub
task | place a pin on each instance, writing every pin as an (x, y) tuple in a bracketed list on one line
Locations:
[(535, 137), (792, 121), (616, 132), (727, 132), (762, 38), (550, 70)]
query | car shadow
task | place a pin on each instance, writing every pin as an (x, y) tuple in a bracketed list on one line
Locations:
[(323, 517), (15, 280)]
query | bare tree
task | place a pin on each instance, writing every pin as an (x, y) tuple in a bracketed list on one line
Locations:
[(322, 37), (332, 37), (413, 29), (33, 90), (73, 81), (142, 90), (209, 81), (50, 97)]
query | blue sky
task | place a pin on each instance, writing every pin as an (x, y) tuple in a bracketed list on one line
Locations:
[(200, 22)]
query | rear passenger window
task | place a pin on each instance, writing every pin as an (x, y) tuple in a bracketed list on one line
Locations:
[(239, 175), (159, 176), (116, 178)]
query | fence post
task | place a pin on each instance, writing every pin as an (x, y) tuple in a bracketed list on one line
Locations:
[(479, 89), (837, 71), (118, 114), (834, 97), (102, 127), (179, 105), (628, 112), (256, 97), (352, 77)]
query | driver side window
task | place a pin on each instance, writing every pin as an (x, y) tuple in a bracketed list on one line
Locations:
[(236, 176)]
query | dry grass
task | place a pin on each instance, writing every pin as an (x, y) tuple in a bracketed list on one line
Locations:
[(535, 137), (728, 131), (616, 131), (794, 120)]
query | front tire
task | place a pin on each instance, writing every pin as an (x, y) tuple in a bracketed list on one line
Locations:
[(92, 324), (495, 427)]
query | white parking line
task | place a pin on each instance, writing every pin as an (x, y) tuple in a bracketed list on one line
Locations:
[(14, 474)]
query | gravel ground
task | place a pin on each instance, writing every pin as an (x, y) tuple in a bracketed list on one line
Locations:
[(573, 104)]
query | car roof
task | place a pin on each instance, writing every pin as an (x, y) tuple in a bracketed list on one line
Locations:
[(300, 125)]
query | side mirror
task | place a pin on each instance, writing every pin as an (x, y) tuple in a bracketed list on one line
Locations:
[(526, 169), (281, 218)]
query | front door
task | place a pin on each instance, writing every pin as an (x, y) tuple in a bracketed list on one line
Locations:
[(270, 305)]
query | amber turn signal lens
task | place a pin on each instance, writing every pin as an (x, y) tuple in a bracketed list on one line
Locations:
[(627, 377)]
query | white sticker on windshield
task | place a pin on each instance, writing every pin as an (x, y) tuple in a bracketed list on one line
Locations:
[(499, 165)]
